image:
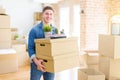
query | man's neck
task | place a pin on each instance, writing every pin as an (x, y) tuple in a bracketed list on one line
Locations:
[(46, 23)]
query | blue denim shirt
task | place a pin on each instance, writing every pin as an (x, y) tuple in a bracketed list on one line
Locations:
[(36, 33)]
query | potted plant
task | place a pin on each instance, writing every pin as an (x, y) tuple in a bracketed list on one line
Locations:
[(47, 31), (16, 36)]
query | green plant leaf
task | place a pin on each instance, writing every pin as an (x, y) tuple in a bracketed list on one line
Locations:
[(47, 28)]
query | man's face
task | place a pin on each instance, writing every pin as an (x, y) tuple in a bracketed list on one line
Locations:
[(48, 16)]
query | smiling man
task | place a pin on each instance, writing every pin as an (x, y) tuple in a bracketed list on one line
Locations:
[(37, 33)]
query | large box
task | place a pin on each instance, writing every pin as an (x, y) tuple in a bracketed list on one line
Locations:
[(109, 45), (83, 60), (110, 67), (114, 78), (4, 21), (90, 74), (60, 63), (22, 54), (5, 35), (5, 45), (93, 66), (8, 61), (19, 48), (54, 47)]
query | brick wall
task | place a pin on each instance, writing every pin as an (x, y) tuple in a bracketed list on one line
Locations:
[(95, 19), (96, 16)]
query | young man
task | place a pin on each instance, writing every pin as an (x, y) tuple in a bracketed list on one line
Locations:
[(37, 33)]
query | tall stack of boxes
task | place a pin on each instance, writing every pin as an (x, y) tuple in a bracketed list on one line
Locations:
[(8, 56), (91, 72), (58, 54), (5, 31), (93, 60), (109, 49)]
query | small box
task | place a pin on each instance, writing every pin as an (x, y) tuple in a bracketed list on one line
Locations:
[(54, 47), (14, 32), (8, 61), (90, 74), (4, 21), (60, 63), (37, 16), (2, 11), (109, 46), (110, 67)]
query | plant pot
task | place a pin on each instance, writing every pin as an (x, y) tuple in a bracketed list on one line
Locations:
[(47, 34)]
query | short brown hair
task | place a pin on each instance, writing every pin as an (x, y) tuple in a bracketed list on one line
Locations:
[(47, 8)]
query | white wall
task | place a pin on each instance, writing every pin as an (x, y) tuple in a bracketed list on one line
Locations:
[(21, 13)]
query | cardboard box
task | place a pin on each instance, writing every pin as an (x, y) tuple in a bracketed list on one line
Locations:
[(2, 11), (37, 16), (4, 21), (90, 74), (19, 41), (93, 66), (14, 32), (53, 47), (5, 45), (5, 38), (8, 61), (83, 60), (92, 58), (23, 57), (114, 78), (109, 46), (5, 35), (19, 47), (59, 63), (110, 67)]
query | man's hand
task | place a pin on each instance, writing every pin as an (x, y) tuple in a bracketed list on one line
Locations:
[(39, 64)]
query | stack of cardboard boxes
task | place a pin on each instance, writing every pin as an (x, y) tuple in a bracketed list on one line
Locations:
[(8, 56), (93, 60), (91, 72), (58, 54), (109, 49)]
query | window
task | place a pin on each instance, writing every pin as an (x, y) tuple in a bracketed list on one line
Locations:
[(76, 20), (64, 19)]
